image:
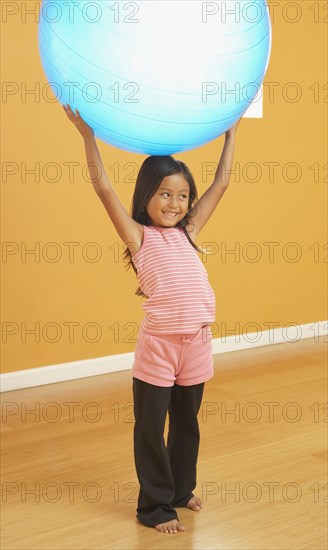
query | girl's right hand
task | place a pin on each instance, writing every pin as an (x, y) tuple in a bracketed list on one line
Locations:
[(85, 130)]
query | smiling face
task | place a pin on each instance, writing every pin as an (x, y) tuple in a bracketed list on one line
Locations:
[(169, 204)]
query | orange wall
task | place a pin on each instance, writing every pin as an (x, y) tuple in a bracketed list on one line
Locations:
[(48, 296)]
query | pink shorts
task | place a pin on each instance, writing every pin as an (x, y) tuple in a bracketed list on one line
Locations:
[(168, 359)]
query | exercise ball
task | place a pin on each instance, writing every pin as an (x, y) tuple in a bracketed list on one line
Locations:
[(156, 77)]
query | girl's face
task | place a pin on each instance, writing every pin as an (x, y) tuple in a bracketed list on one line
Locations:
[(170, 202)]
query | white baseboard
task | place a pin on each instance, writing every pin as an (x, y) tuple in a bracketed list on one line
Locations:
[(114, 363)]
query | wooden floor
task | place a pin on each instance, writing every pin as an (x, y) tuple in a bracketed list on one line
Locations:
[(68, 478)]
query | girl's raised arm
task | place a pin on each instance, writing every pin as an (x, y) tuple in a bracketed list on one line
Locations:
[(127, 228), (206, 205)]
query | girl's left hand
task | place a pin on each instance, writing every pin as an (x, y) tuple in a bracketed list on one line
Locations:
[(233, 128)]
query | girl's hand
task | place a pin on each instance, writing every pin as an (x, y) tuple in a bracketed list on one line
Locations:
[(85, 130), (232, 130)]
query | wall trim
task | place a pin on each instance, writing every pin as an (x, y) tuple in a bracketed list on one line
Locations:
[(74, 370)]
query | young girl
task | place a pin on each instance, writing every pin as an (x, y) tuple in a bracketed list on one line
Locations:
[(173, 356)]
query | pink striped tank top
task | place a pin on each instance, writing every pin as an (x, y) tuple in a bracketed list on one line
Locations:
[(180, 298)]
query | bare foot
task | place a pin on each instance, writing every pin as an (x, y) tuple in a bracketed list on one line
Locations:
[(194, 504), (172, 526)]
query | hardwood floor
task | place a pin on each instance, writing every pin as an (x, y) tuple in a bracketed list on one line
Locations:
[(68, 477)]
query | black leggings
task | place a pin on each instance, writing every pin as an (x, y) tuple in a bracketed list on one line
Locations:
[(167, 475)]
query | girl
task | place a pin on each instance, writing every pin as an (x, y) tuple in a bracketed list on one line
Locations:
[(173, 356)]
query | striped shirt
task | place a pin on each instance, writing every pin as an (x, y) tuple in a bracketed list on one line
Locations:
[(172, 276)]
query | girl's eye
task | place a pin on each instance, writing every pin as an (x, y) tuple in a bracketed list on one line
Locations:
[(183, 196)]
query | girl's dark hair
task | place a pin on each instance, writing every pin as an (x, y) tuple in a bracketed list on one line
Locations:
[(153, 170)]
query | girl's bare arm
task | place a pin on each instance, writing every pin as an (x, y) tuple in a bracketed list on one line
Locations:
[(206, 205), (127, 228)]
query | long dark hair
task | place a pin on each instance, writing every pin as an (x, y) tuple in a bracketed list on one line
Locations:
[(153, 170)]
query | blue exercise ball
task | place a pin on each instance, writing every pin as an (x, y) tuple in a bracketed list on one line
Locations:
[(156, 77)]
